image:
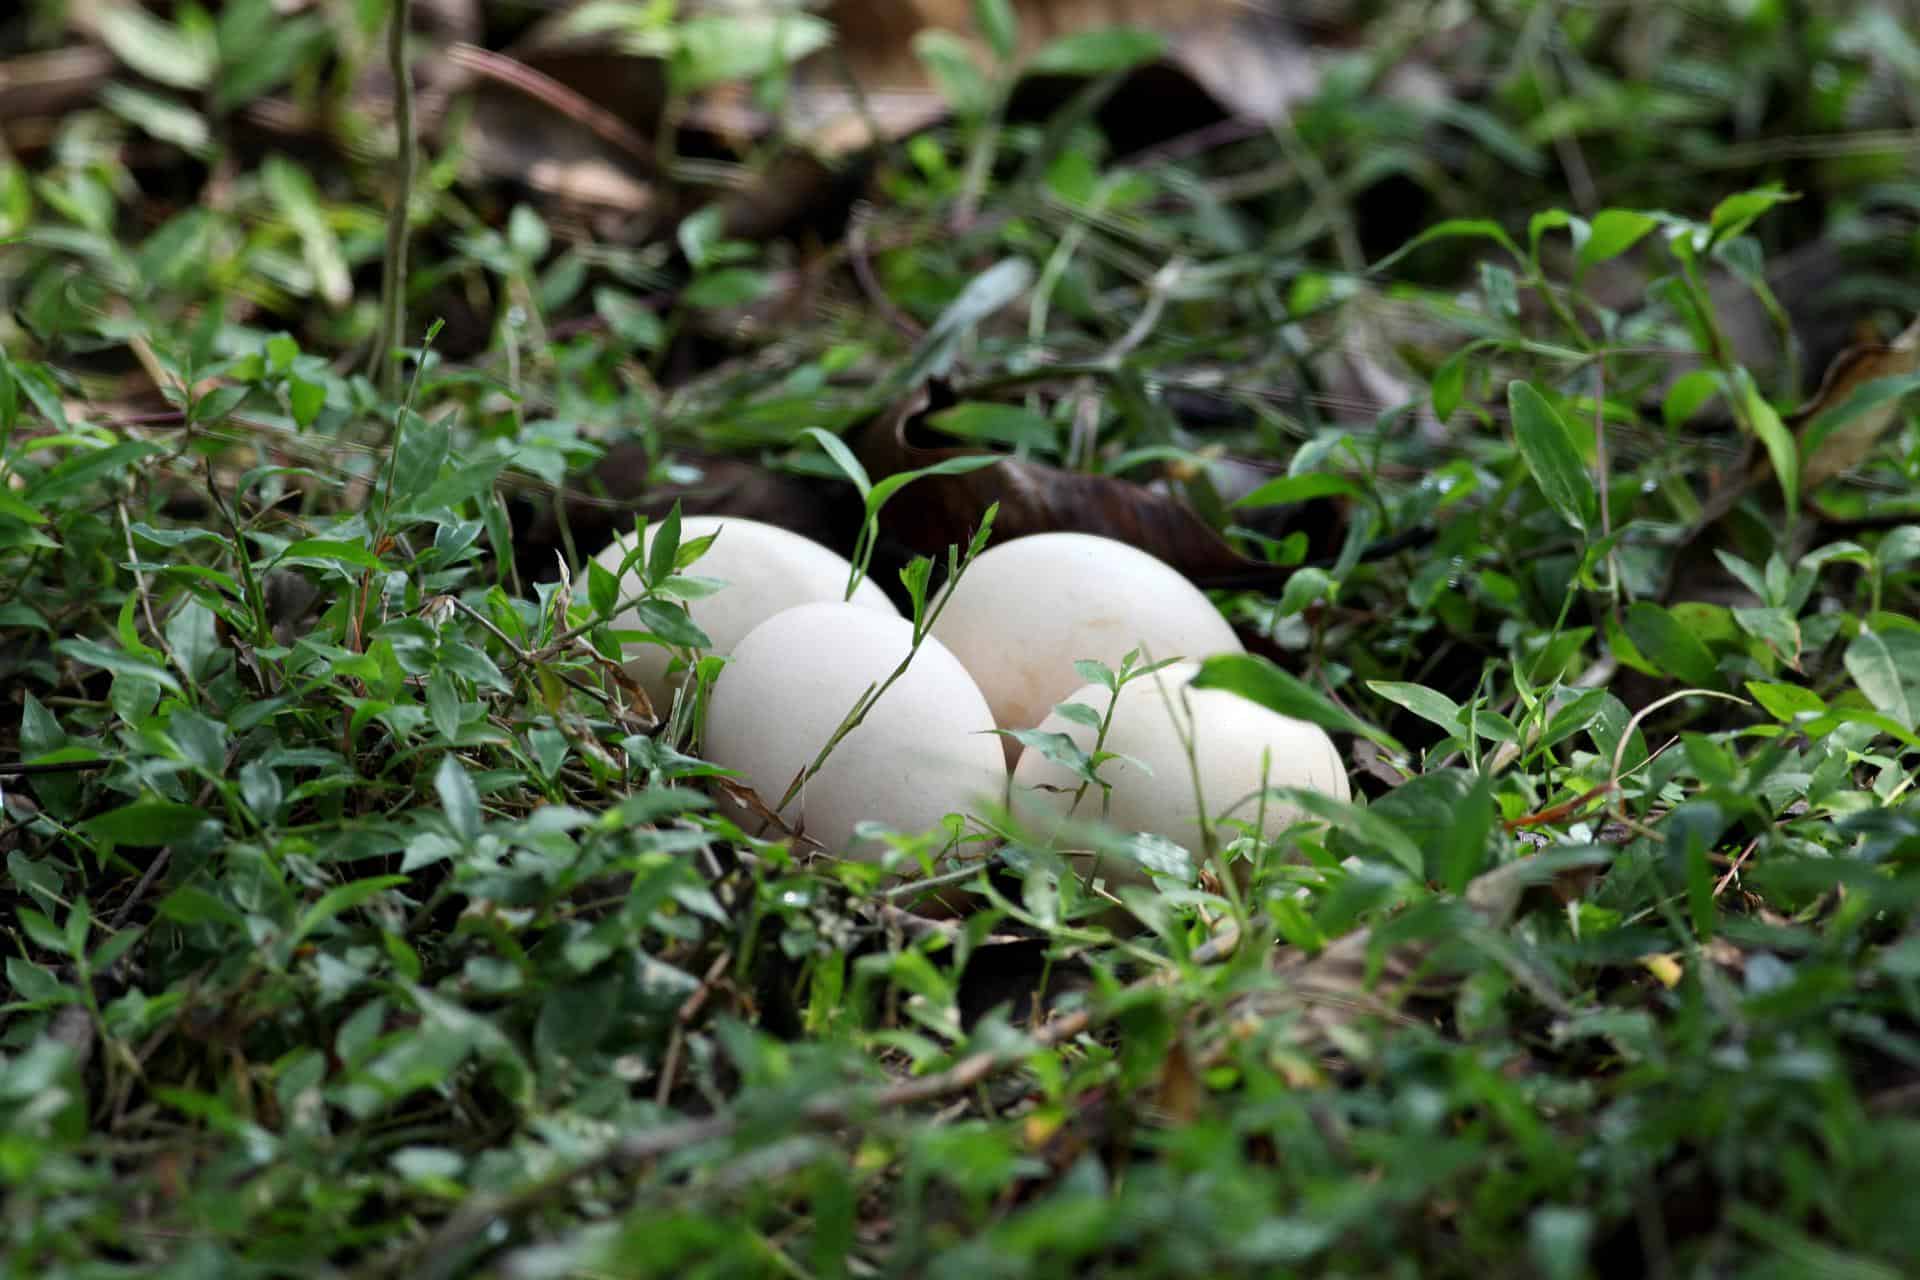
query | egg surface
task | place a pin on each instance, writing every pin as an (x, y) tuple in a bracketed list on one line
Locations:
[(925, 749), (766, 568), (1026, 610), (1231, 735)]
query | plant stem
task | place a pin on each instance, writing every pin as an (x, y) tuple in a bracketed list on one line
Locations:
[(393, 273)]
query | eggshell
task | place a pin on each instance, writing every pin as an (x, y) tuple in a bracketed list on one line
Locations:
[(925, 749), (1027, 609), (1232, 735), (766, 568)]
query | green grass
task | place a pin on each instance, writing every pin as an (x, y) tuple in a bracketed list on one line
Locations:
[(359, 923)]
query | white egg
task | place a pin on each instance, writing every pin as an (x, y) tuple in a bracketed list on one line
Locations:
[(925, 750), (766, 569), (1231, 736), (1026, 610)]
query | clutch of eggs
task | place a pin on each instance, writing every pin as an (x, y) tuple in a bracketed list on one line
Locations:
[(1001, 655)]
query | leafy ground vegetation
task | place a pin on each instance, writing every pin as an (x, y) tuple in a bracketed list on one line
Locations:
[(362, 920)]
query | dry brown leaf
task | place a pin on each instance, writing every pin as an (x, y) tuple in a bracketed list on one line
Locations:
[(942, 511), (1848, 445), (605, 502)]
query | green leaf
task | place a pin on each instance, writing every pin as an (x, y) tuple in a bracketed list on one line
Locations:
[(1871, 664), (146, 824), (1785, 702), (1059, 748), (443, 703), (458, 798), (1455, 229), (1097, 52), (1689, 392), (1547, 447), (1612, 233), (1765, 421), (951, 67), (1429, 704), (305, 400), (1301, 488), (1449, 385), (842, 457), (329, 551), (180, 55), (1000, 25), (727, 287), (419, 454), (672, 625), (17, 508), (191, 905), (1257, 679), (1374, 832), (985, 294), (1737, 212), (664, 551), (630, 319), (710, 48), (338, 900), (1670, 645), (298, 201), (114, 660), (997, 424), (878, 495)]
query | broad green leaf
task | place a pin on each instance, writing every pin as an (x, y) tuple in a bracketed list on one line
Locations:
[(1688, 394), (298, 201), (1097, 52), (951, 67), (997, 424), (181, 55), (117, 661), (1612, 233), (1429, 704), (146, 823), (459, 801), (1737, 212), (1449, 384), (1000, 25), (1548, 449), (711, 48), (1301, 488), (1670, 645), (15, 507), (1784, 701), (341, 899), (1871, 664), (329, 551), (664, 551)]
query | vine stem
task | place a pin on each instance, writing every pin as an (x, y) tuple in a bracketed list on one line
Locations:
[(393, 272)]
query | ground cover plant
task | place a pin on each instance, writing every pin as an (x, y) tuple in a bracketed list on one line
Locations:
[(1528, 383)]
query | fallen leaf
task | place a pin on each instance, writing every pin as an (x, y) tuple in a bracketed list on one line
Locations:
[(1846, 417), (1036, 498)]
